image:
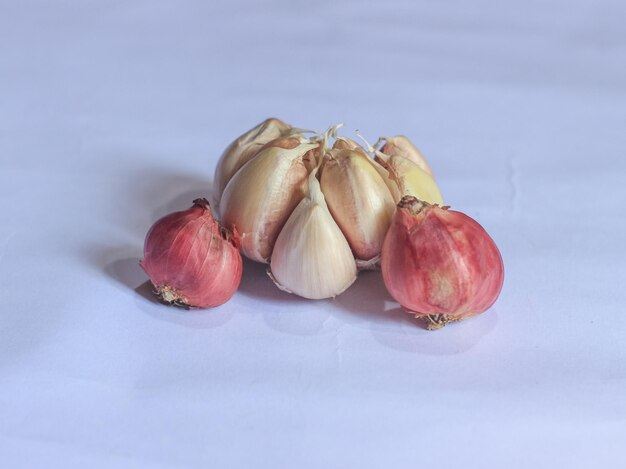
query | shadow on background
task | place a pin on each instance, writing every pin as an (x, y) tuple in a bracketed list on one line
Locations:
[(411, 336), (366, 304), (290, 314), (132, 279)]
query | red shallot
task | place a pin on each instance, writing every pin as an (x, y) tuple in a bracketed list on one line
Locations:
[(191, 260), (440, 264)]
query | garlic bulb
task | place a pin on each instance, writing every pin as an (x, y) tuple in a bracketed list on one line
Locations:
[(260, 197), (359, 201), (402, 146), (311, 256), (243, 149)]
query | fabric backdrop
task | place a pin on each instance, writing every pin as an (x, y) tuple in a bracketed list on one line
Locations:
[(114, 113)]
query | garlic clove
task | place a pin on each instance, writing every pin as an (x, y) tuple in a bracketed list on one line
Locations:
[(243, 149), (392, 186), (311, 256), (359, 201), (260, 197), (402, 146), (410, 178)]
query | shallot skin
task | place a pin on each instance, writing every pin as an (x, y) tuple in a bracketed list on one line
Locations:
[(439, 263), (191, 260)]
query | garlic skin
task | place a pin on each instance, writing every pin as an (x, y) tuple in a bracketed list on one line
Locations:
[(312, 257), (344, 143), (359, 201), (243, 149), (260, 197), (402, 146), (410, 178), (392, 186), (440, 264)]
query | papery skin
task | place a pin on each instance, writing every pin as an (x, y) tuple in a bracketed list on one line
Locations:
[(191, 260), (402, 146), (311, 257), (344, 143), (359, 201), (390, 182), (243, 149), (260, 197), (440, 263)]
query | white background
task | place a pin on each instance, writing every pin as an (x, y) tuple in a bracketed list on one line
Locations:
[(114, 113)]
